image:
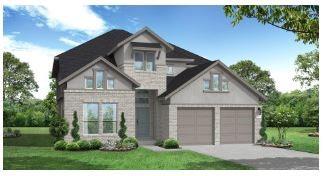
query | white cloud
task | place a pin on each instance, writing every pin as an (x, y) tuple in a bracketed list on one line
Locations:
[(283, 80), (68, 41), (67, 17), (40, 25), (134, 21), (111, 8), (15, 32), (40, 60)]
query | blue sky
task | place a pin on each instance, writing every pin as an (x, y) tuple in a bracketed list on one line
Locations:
[(37, 33)]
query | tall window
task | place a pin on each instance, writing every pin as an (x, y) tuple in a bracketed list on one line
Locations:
[(110, 83), (90, 117), (99, 79), (170, 70), (109, 118), (224, 84), (206, 84), (88, 83), (138, 60), (215, 82), (150, 61)]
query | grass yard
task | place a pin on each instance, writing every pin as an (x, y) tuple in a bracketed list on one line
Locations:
[(33, 151), (299, 137)]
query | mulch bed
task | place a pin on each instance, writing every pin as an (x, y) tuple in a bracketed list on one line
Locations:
[(277, 145)]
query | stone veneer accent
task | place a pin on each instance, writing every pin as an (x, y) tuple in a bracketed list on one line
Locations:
[(148, 80), (74, 99), (172, 112)]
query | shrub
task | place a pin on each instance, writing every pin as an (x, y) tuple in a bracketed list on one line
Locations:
[(75, 129), (95, 144), (72, 146), (263, 130), (159, 143), (9, 130), (83, 145), (60, 145), (17, 133), (283, 118), (123, 128), (131, 140), (58, 127), (170, 143)]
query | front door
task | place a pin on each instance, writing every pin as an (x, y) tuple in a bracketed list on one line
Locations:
[(142, 114), (142, 122)]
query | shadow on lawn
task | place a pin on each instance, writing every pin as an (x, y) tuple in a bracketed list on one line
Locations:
[(46, 163), (216, 165), (32, 140)]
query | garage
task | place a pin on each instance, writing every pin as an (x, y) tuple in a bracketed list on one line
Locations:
[(236, 125), (195, 126)]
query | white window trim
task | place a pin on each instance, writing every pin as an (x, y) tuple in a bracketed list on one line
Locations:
[(172, 70), (107, 82), (86, 83)]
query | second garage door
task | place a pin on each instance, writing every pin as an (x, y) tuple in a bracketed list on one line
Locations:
[(236, 125), (195, 126)]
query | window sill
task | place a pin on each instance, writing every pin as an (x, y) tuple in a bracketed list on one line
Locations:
[(144, 71), (214, 91)]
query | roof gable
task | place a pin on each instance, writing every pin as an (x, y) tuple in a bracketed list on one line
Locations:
[(93, 63), (191, 74)]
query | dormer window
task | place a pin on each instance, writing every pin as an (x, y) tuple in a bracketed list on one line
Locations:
[(88, 83), (224, 84), (144, 60), (110, 83), (215, 82)]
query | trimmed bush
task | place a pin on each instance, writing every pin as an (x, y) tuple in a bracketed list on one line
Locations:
[(75, 129), (83, 145), (171, 143), (131, 140), (58, 127), (123, 128), (73, 146), (17, 133), (159, 143), (95, 144), (60, 145)]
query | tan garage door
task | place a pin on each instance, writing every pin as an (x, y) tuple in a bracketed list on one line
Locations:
[(195, 126), (236, 125)]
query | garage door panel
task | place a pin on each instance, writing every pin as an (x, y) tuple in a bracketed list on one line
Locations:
[(194, 125), (236, 125)]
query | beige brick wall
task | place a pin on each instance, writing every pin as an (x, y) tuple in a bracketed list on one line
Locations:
[(74, 99), (172, 110), (148, 80)]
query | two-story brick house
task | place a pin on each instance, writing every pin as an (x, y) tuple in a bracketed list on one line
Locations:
[(164, 90)]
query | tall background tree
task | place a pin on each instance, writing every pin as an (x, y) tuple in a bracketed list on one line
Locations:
[(307, 68), (303, 21), (18, 79), (50, 102), (260, 79)]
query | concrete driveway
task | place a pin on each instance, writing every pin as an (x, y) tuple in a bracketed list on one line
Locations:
[(260, 157)]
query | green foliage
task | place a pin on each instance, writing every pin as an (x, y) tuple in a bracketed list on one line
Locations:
[(131, 140), (17, 133), (72, 146), (95, 144), (260, 79), (263, 129), (60, 145), (18, 80), (171, 144), (282, 119), (303, 21), (58, 127), (49, 103), (123, 128), (75, 130), (84, 145), (159, 143), (307, 68)]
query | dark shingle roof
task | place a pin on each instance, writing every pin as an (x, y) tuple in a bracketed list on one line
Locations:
[(185, 76), (77, 57)]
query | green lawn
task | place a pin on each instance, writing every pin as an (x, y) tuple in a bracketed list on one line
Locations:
[(299, 138), (30, 151)]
